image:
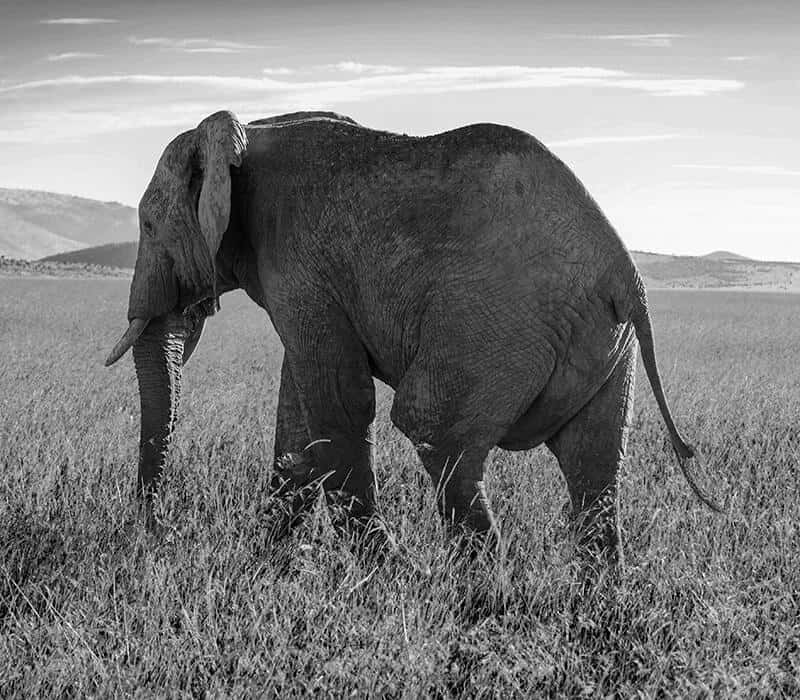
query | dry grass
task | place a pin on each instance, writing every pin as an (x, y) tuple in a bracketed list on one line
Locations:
[(92, 604)]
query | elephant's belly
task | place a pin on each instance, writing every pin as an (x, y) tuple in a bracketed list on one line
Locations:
[(576, 378)]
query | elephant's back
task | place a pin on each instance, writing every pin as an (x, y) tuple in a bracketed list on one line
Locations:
[(339, 144), (284, 119)]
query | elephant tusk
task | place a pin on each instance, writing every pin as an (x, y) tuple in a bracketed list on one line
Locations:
[(128, 338)]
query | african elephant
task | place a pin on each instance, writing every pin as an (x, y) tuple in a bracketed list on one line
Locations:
[(469, 270)]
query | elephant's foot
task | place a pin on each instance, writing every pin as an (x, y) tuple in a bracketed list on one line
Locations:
[(469, 521), (597, 540), (367, 532), (294, 488), (356, 519)]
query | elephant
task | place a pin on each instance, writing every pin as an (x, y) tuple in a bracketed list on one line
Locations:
[(469, 270)]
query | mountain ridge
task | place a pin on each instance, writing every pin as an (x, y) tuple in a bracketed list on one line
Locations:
[(118, 255), (726, 255), (36, 223), (714, 271)]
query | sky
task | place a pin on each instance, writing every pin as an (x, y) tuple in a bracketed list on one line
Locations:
[(681, 118)]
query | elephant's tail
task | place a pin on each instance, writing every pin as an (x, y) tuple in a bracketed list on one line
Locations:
[(640, 317)]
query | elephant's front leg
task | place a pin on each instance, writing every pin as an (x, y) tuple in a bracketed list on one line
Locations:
[(325, 413), (293, 485)]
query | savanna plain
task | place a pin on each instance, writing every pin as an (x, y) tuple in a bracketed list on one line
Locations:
[(92, 603)]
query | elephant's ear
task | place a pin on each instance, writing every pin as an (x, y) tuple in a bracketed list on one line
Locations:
[(221, 142), (184, 214)]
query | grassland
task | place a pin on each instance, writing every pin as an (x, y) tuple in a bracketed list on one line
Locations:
[(93, 604)]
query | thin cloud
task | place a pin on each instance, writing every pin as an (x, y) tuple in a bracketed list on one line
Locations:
[(425, 81), (748, 169), (212, 49), (220, 81), (743, 58), (363, 68), (659, 40), (71, 56), (79, 20), (68, 126), (684, 87), (278, 71), (194, 45), (600, 140)]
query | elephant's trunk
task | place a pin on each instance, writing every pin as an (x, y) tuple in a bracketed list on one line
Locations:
[(158, 356)]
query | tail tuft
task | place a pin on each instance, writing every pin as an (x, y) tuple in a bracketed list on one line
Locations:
[(684, 450), (685, 461)]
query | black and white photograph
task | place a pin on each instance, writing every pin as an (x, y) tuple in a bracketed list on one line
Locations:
[(384, 349)]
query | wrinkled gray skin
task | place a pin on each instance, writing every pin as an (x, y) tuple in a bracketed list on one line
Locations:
[(469, 270)]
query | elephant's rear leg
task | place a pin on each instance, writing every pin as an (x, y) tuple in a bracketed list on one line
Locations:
[(590, 449), (456, 407)]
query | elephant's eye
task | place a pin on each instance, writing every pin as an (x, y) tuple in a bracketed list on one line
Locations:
[(147, 227)]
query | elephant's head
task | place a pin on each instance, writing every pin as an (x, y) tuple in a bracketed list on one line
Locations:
[(183, 216)]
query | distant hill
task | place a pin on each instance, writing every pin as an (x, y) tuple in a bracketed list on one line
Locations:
[(718, 270), (110, 255), (35, 224), (725, 255)]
